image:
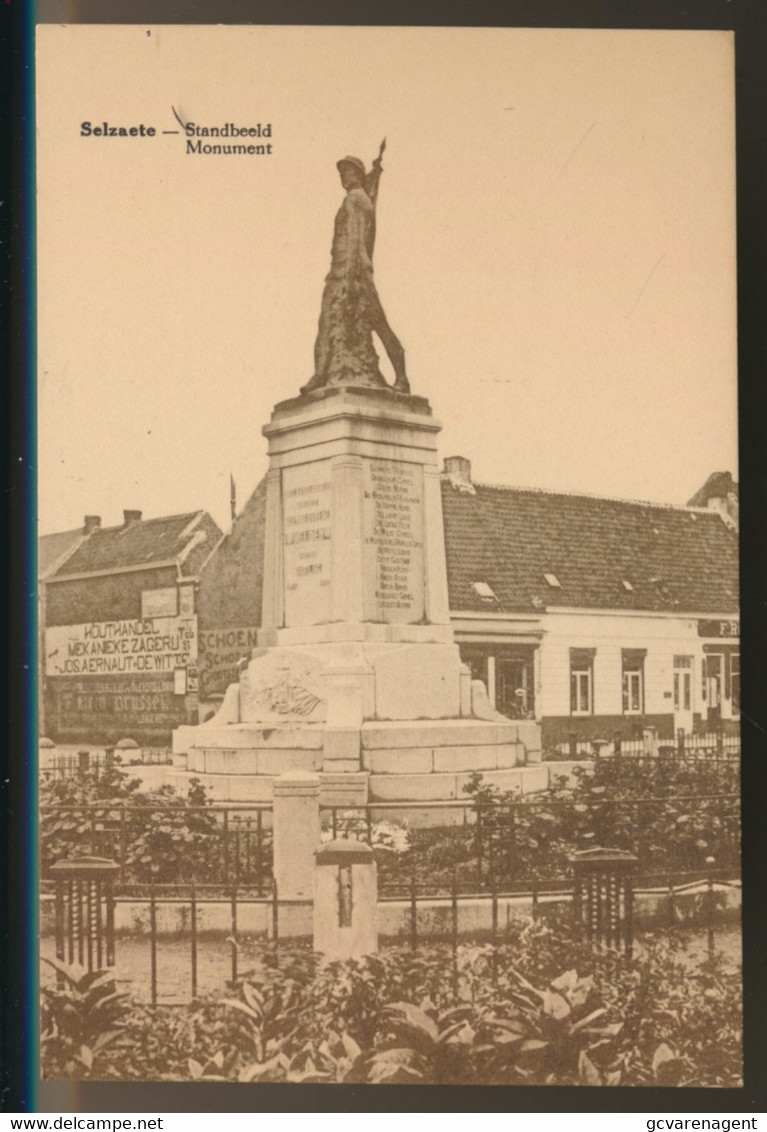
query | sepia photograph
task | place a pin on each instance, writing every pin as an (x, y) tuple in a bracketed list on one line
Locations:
[(388, 579)]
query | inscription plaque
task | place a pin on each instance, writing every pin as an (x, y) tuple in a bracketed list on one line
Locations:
[(393, 541), (306, 528)]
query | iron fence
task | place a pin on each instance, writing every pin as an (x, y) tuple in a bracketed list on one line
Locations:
[(68, 765), (490, 845), (154, 955), (215, 844), (711, 744)]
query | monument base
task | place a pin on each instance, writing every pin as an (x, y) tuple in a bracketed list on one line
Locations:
[(357, 676), (396, 761)]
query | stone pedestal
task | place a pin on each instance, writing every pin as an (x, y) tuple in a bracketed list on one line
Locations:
[(356, 631)]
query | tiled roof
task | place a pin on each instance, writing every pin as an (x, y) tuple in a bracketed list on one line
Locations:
[(603, 553), (188, 539), (53, 549)]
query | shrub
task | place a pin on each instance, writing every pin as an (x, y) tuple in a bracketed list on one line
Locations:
[(168, 837), (539, 1008)]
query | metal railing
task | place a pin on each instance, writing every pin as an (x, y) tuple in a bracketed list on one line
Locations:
[(709, 744), (191, 949), (496, 844), (215, 844)]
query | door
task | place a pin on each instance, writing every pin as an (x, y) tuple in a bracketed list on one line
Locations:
[(514, 695), (683, 693), (713, 665)]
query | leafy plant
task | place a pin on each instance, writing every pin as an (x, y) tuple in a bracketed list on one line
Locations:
[(82, 1017), (538, 1007)]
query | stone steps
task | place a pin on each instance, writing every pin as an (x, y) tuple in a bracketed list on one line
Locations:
[(449, 787)]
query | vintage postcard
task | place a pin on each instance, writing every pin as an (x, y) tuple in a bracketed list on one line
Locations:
[(389, 641)]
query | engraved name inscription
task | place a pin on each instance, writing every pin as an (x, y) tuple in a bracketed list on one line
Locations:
[(306, 530), (393, 541)]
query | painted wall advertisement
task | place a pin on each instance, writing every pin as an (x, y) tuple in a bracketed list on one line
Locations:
[(121, 648), (220, 653), (108, 680)]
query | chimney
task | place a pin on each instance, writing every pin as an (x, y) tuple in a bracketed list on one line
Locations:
[(91, 523), (457, 469), (130, 517)]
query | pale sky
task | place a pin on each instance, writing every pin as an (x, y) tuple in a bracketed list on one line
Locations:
[(555, 249)]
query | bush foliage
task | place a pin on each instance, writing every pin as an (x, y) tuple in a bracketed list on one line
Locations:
[(536, 1009), (676, 815), (158, 835)]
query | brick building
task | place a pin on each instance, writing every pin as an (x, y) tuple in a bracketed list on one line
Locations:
[(119, 610)]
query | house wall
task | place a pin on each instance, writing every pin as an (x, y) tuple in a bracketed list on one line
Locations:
[(103, 597), (608, 634), (143, 687)]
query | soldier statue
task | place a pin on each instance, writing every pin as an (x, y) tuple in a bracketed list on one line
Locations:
[(351, 310)]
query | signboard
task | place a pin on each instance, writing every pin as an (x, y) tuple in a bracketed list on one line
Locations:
[(115, 707), (392, 553), (220, 652), (306, 532), (114, 648), (719, 628), (160, 603)]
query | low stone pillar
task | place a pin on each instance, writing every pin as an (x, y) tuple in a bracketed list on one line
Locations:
[(345, 900), (296, 817)]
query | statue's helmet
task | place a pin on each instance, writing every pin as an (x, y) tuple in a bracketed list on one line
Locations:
[(354, 162)]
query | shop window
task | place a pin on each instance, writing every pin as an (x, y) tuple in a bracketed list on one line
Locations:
[(633, 681), (582, 681)]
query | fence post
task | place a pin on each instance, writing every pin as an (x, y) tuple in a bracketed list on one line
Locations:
[(193, 926), (152, 942), (680, 740), (617, 742), (606, 878), (233, 937), (83, 762), (86, 885), (710, 911), (454, 930), (572, 743), (671, 903), (413, 915)]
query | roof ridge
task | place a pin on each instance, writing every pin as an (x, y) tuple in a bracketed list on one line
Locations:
[(591, 495), (156, 519)]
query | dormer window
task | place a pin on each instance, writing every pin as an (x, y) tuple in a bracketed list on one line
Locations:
[(483, 590), (553, 581), (627, 586)]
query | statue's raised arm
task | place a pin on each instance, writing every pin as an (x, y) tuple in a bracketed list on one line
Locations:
[(374, 176), (351, 310)]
